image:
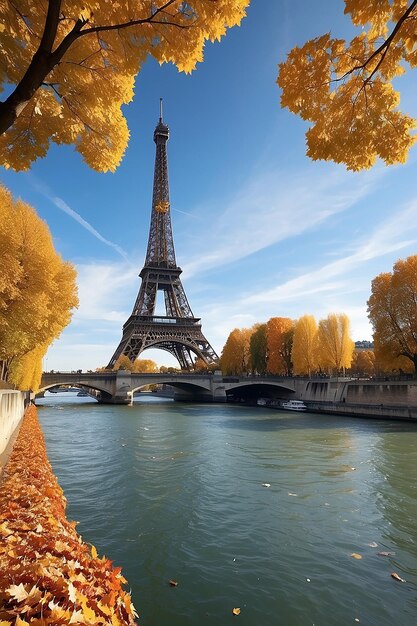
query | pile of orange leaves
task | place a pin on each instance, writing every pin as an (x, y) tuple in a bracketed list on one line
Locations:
[(48, 575)]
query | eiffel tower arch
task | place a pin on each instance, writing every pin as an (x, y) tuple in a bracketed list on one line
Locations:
[(178, 331)]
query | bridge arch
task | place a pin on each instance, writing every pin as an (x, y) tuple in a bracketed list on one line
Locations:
[(87, 387), (250, 389)]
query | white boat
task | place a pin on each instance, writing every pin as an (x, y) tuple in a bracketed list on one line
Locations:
[(261, 402), (293, 405)]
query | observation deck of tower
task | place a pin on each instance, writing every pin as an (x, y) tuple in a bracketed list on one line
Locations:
[(178, 331)]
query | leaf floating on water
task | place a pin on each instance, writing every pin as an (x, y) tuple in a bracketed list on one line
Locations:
[(173, 583), (373, 544), (236, 611), (355, 555), (386, 553), (395, 576), (266, 484)]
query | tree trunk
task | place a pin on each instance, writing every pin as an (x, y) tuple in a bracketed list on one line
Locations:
[(35, 75)]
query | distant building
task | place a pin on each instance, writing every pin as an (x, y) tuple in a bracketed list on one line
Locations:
[(364, 345)]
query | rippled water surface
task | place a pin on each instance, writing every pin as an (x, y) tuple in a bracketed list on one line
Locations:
[(176, 491)]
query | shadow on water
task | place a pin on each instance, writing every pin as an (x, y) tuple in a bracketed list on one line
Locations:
[(277, 420)]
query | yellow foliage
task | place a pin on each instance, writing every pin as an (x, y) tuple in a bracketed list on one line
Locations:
[(143, 366), (334, 345), (344, 88), (236, 356), (304, 349), (26, 370), (37, 290), (123, 363), (392, 310), (90, 54), (363, 363)]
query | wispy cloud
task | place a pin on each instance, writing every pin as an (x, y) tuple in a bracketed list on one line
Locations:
[(273, 207), (61, 204), (106, 291), (393, 235)]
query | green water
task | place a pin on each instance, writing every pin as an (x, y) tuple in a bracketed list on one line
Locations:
[(174, 491)]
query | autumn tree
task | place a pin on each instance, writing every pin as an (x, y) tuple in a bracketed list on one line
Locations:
[(304, 349), (236, 357), (258, 348), (344, 89), (139, 366), (334, 345), (25, 371), (363, 363), (37, 289), (201, 366), (279, 338), (392, 310), (72, 65)]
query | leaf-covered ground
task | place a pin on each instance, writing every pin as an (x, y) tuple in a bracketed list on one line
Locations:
[(48, 575)]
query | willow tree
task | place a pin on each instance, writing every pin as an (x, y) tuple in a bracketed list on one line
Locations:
[(304, 349), (392, 310), (279, 338), (345, 88), (37, 288), (334, 345), (72, 65)]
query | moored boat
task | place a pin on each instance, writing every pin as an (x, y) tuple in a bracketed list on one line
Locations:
[(293, 405)]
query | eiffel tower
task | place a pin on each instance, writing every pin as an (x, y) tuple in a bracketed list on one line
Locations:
[(178, 331)]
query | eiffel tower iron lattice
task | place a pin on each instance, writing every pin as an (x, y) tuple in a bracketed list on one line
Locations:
[(177, 332)]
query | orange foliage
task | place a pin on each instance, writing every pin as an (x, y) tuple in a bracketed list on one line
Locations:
[(279, 336), (48, 576)]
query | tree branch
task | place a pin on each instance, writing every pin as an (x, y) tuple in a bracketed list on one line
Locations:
[(45, 58), (383, 48)]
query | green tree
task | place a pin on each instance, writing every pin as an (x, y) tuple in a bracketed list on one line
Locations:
[(258, 348)]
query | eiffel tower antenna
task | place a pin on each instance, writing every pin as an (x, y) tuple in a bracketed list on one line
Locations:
[(178, 331)]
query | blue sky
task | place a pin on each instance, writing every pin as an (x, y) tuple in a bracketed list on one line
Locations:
[(259, 230)]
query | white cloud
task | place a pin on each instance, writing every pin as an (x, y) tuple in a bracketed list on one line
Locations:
[(105, 291), (273, 207), (61, 204), (339, 286), (393, 235)]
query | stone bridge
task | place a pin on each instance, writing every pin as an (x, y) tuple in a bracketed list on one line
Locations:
[(119, 387)]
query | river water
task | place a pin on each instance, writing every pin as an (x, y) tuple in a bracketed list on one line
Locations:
[(178, 491)]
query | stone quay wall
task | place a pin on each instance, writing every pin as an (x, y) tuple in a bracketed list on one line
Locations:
[(12, 406)]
